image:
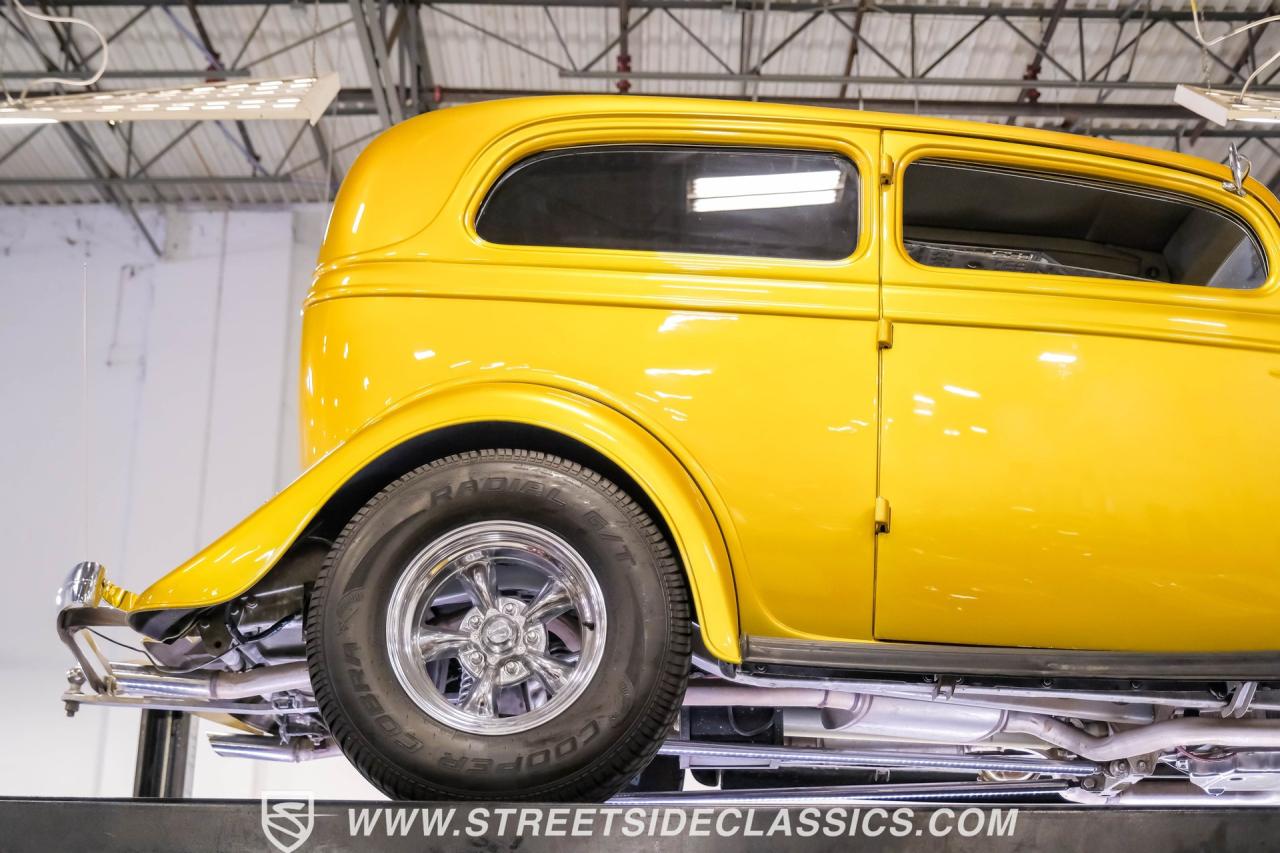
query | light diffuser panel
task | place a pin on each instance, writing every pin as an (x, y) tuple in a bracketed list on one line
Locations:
[(278, 98)]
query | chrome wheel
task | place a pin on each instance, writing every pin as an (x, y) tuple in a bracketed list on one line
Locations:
[(496, 627)]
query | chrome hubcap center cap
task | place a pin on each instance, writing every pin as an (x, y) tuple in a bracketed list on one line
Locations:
[(498, 638), (498, 634)]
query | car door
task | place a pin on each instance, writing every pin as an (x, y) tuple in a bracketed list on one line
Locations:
[(1079, 435), (724, 272)]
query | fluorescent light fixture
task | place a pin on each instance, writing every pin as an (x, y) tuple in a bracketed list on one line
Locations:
[(275, 98), (754, 192), (1222, 107), (9, 120)]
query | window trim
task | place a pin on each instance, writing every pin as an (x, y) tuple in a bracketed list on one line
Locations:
[(1051, 176), (508, 166)]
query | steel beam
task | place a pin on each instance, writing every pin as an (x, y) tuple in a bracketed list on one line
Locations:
[(864, 80), (630, 28), (950, 50), (698, 40), (498, 37), (1042, 51), (309, 37), (326, 157), (360, 102), (1003, 10), (21, 143), (373, 49), (205, 44), (856, 32)]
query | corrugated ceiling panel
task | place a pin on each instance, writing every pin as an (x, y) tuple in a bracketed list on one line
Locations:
[(526, 48)]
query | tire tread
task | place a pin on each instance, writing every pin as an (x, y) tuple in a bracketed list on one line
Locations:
[(608, 774)]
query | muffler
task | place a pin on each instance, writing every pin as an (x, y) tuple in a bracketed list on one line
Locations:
[(885, 717)]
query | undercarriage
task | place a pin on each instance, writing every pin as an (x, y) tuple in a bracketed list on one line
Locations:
[(755, 733)]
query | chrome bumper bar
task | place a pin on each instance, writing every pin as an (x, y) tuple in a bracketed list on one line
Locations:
[(133, 685)]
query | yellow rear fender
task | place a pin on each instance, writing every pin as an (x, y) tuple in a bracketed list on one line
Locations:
[(468, 417)]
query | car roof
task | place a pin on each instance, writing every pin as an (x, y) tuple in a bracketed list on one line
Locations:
[(548, 107), (415, 165)]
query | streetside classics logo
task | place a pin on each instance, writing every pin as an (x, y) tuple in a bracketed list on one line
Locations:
[(288, 818)]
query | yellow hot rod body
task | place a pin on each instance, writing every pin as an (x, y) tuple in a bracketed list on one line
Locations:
[(857, 452)]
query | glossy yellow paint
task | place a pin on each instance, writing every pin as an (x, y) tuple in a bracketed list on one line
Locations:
[(742, 393), (758, 373), (787, 466), (1073, 462), (231, 565)]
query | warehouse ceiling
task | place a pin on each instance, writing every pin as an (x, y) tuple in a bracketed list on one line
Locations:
[(1101, 68)]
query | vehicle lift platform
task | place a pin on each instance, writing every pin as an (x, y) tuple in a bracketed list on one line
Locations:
[(143, 825), (1007, 816)]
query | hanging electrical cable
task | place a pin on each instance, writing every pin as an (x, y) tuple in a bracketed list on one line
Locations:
[(1208, 43), (62, 81), (1223, 106)]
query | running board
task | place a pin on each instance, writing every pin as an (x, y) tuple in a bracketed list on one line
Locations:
[(1011, 662)]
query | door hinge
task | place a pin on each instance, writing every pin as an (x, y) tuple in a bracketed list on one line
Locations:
[(884, 334), (883, 513), (886, 170)]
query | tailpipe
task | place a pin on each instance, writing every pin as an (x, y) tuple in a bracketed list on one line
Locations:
[(269, 749), (138, 680)]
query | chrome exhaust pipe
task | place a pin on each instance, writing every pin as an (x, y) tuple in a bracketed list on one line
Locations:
[(897, 719), (730, 756), (1157, 737), (138, 680), (269, 749), (1172, 793), (895, 793)]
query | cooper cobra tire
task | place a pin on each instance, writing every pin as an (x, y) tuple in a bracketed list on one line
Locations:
[(399, 735)]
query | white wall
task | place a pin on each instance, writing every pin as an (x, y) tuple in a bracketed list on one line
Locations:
[(187, 421)]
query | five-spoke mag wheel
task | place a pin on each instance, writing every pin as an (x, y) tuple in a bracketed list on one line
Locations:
[(496, 627)]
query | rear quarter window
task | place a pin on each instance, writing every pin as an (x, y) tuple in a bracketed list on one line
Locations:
[(970, 216), (725, 201)]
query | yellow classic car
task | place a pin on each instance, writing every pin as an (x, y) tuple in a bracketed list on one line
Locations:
[(753, 436)]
